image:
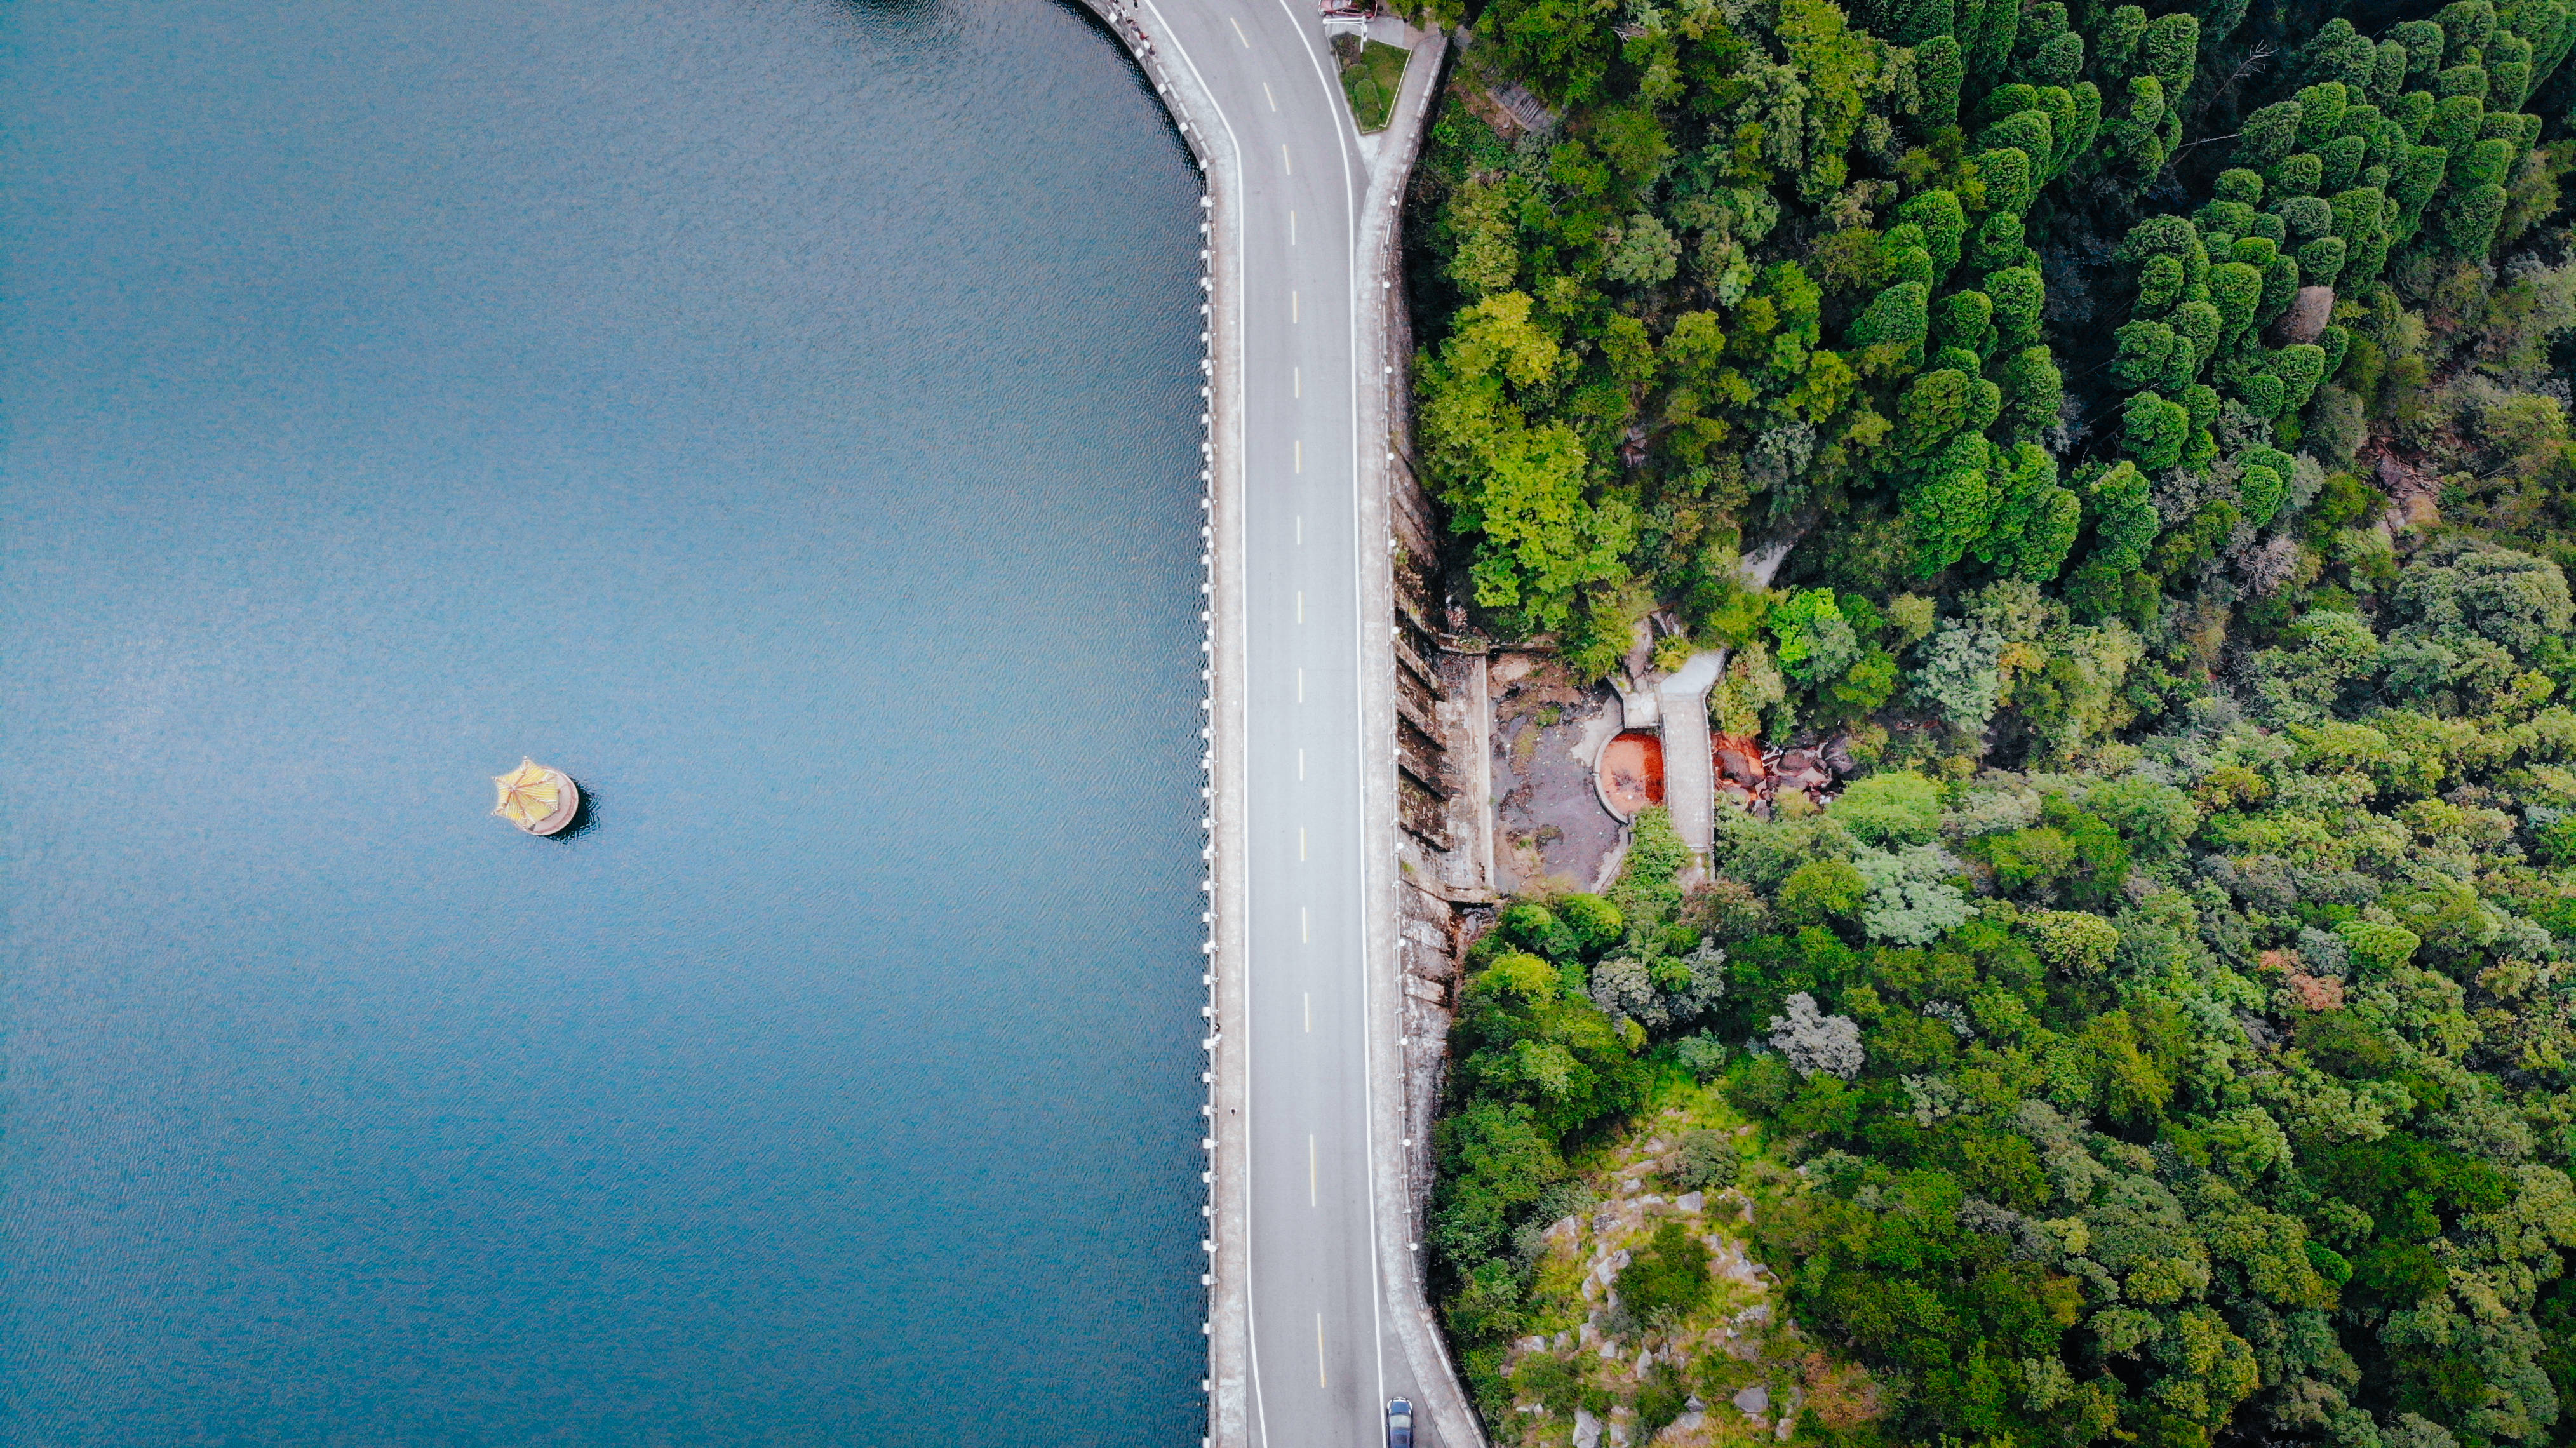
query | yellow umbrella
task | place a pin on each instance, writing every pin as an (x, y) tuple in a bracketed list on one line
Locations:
[(529, 793)]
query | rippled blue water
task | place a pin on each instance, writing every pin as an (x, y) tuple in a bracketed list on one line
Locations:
[(780, 414)]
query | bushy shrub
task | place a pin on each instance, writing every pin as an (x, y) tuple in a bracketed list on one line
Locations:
[(1668, 1277), (1708, 1158), (1594, 922), (1892, 807)]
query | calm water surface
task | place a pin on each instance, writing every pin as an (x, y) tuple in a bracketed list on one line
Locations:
[(780, 414)]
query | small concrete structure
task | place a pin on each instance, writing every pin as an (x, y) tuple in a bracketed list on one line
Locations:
[(539, 800)]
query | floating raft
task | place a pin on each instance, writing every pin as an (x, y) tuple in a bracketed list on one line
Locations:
[(537, 799)]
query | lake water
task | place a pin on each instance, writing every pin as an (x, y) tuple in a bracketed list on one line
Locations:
[(781, 415)]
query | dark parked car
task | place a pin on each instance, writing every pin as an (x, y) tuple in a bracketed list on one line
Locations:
[(1399, 1424)]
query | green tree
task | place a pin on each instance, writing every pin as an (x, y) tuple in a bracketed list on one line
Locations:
[(1841, 66), (1965, 320), (1938, 71), (1596, 923), (2269, 133), (1816, 642), (1896, 323), (1947, 513), (1943, 222), (1542, 539), (2470, 222), (2010, 182), (2035, 521), (2171, 49), (2033, 391), (2153, 431), (2018, 296), (1931, 413), (2124, 519), (1495, 1160), (1821, 890)]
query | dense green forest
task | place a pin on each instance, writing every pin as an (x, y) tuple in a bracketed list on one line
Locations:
[(2168, 1039)]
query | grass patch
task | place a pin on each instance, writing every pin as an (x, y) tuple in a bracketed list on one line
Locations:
[(1372, 74)]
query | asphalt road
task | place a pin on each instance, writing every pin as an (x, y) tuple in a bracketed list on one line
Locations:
[(1325, 1359)]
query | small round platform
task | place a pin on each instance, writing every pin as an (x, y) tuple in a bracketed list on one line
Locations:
[(538, 800), (1631, 773)]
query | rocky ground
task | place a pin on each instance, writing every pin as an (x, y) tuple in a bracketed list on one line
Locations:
[(1734, 1369), (1756, 780)]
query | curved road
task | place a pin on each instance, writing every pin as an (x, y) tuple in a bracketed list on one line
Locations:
[(1312, 1264)]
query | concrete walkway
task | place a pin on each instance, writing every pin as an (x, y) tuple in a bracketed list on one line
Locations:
[(1690, 773)]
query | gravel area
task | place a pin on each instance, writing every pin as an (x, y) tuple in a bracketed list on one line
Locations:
[(1552, 829)]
